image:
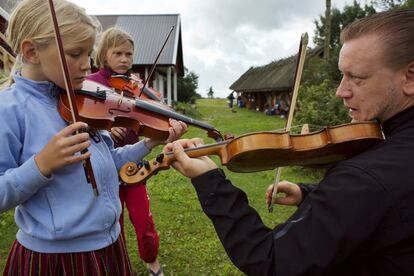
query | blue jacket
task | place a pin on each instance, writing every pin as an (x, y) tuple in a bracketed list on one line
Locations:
[(60, 213)]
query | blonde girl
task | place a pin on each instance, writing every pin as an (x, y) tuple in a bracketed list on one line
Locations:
[(114, 55), (64, 229)]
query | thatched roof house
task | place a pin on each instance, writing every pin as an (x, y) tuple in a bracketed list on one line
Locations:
[(261, 86), (276, 76)]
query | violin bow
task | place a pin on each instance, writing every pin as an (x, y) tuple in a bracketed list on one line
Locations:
[(87, 165), (156, 61), (298, 74)]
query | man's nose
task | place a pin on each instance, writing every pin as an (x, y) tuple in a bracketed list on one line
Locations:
[(343, 90)]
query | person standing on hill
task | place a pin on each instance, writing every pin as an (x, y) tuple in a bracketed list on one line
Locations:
[(230, 99)]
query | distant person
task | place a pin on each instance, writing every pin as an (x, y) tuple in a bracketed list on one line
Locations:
[(359, 220), (231, 99), (240, 102)]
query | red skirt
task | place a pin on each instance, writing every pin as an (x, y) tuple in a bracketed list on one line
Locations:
[(112, 261)]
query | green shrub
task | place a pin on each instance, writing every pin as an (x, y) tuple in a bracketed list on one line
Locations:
[(188, 109), (6, 219), (318, 106)]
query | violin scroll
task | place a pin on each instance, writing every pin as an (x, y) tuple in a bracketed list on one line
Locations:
[(132, 87)]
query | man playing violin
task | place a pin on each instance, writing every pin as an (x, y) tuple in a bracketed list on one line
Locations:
[(359, 220)]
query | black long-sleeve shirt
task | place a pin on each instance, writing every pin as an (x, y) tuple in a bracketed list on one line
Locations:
[(359, 220)]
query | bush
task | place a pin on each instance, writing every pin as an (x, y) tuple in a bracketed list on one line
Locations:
[(318, 106), (187, 109), (6, 219)]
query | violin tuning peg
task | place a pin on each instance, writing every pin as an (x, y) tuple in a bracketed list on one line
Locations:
[(140, 164), (146, 164), (160, 157)]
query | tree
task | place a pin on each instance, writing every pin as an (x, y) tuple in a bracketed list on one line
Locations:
[(317, 103), (210, 93), (327, 43), (318, 106), (392, 4), (187, 86), (339, 19), (409, 4)]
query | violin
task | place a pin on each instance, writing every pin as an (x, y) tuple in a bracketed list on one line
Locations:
[(133, 87), (259, 151), (102, 108)]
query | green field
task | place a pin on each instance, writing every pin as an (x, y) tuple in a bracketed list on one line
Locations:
[(188, 242)]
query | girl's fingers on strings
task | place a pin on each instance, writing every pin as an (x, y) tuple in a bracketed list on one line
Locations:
[(77, 148), (119, 131), (198, 142), (116, 136), (184, 127), (77, 158), (76, 139), (71, 129)]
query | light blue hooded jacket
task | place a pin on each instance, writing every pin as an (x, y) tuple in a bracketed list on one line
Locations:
[(61, 213)]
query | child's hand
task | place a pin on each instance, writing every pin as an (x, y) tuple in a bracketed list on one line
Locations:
[(190, 167), (63, 149), (293, 194), (118, 134), (177, 129)]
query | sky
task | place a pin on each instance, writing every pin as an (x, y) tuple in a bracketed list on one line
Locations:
[(222, 39)]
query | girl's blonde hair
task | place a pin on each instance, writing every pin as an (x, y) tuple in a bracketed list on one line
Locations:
[(111, 38), (31, 19)]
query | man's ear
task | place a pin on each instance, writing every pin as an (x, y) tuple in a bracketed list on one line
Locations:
[(29, 51), (408, 85)]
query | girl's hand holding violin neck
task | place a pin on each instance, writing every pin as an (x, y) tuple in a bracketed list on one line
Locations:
[(176, 130), (189, 167), (118, 134), (293, 194), (61, 150), (136, 78)]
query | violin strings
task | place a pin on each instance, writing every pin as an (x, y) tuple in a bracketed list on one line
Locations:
[(298, 128)]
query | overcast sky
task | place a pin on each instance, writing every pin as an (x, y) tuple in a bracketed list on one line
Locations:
[(224, 38)]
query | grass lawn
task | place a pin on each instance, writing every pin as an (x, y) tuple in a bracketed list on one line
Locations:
[(188, 242)]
